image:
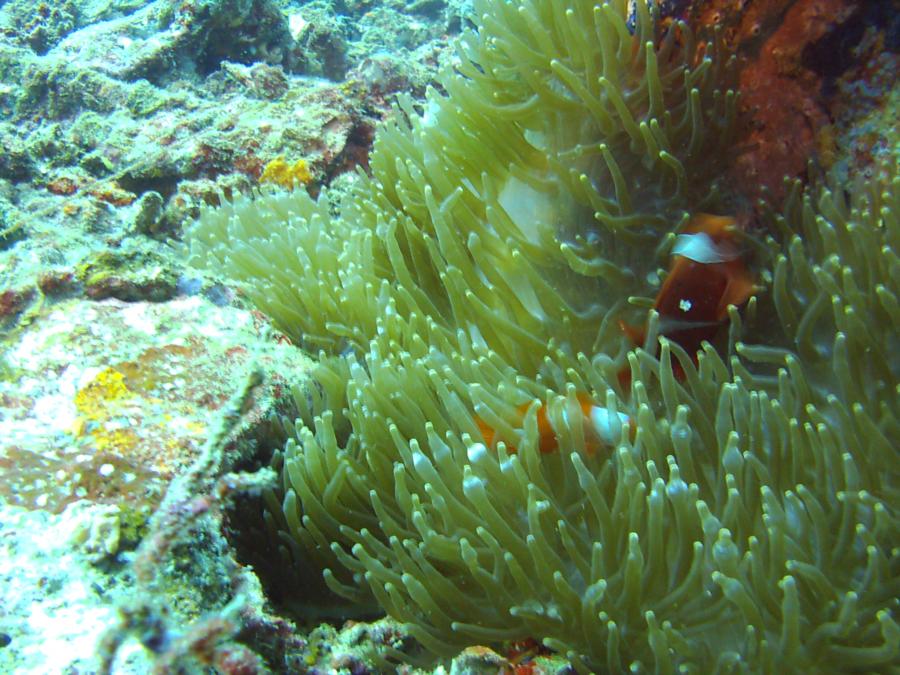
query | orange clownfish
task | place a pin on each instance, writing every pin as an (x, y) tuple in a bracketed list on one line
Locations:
[(707, 274), (601, 428)]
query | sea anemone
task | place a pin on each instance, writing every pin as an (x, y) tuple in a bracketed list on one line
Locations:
[(745, 516)]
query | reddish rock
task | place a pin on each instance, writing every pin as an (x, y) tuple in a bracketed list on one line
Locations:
[(781, 95)]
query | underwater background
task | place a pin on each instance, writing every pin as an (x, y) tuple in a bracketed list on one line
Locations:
[(564, 333)]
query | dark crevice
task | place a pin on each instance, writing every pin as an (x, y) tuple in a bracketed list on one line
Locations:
[(833, 54)]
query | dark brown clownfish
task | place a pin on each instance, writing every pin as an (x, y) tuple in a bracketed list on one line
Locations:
[(708, 273)]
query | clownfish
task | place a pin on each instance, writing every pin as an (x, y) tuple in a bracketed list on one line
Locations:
[(601, 428), (707, 274)]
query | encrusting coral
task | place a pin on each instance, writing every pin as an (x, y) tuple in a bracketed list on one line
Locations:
[(741, 517)]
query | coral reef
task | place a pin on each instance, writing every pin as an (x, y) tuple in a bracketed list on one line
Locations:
[(103, 404), (744, 515), (135, 112), (117, 118), (56, 577), (496, 240), (111, 399)]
